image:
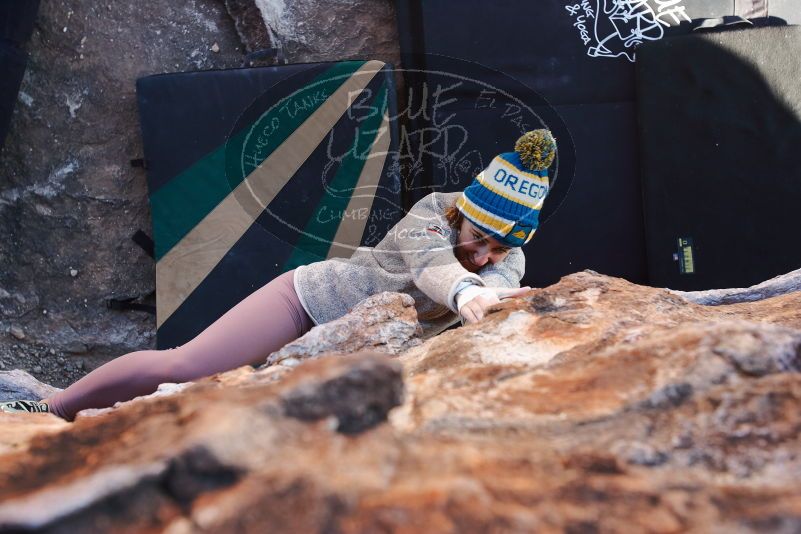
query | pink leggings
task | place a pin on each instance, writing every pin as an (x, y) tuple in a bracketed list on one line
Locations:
[(262, 323)]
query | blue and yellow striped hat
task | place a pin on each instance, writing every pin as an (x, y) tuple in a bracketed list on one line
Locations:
[(505, 199)]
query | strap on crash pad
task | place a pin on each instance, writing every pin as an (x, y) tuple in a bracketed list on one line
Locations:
[(145, 242), (128, 304), (265, 54)]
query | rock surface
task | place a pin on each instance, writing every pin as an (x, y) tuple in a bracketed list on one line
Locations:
[(590, 405), (386, 322), (18, 384), (779, 285), (69, 199), (332, 30), (249, 24)]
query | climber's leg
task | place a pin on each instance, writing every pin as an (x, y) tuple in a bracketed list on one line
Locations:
[(262, 323)]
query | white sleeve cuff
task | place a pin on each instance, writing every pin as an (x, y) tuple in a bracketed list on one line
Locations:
[(468, 294), (472, 279)]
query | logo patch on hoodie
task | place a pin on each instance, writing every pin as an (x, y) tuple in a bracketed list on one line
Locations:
[(444, 233)]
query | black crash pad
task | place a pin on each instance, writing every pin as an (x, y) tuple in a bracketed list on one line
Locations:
[(569, 52), (720, 131), (12, 68), (252, 172), (16, 20)]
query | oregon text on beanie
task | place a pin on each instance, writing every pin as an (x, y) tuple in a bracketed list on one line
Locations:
[(505, 199)]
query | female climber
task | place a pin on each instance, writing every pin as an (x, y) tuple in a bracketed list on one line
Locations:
[(454, 253)]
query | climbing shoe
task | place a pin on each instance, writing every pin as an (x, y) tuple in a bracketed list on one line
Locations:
[(21, 406)]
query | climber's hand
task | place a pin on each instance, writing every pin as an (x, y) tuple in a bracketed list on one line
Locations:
[(473, 310)]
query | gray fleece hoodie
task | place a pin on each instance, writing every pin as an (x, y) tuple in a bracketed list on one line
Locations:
[(415, 257)]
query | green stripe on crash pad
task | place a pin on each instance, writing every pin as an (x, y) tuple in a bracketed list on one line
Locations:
[(316, 238), (179, 205)]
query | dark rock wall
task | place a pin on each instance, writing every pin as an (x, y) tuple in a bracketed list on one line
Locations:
[(314, 30), (69, 199)]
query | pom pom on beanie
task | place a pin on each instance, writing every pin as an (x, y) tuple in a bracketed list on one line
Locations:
[(537, 149)]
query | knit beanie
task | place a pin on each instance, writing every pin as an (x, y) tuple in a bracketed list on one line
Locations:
[(505, 199)]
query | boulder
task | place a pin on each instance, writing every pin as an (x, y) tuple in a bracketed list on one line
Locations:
[(386, 322), (318, 30), (590, 405), (18, 384)]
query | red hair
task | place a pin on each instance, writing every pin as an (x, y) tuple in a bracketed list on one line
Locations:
[(454, 217)]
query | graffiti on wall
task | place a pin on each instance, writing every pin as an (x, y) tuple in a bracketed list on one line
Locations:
[(614, 28)]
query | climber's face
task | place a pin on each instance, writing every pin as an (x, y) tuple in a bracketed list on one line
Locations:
[(475, 249)]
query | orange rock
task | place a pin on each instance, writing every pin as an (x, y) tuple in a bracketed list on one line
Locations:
[(590, 405)]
